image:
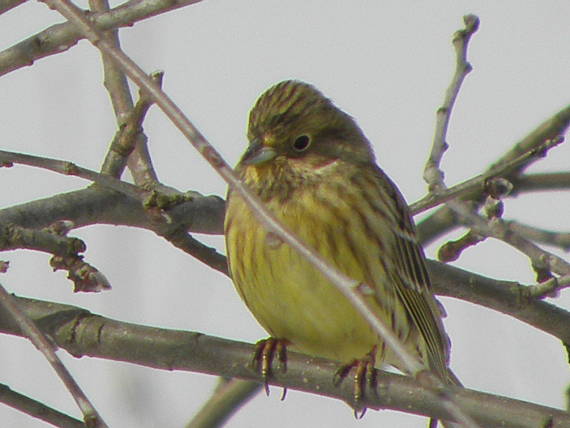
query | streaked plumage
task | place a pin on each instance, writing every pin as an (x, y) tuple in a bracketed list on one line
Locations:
[(314, 168)]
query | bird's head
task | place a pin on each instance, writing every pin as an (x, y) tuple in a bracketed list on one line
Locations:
[(293, 126)]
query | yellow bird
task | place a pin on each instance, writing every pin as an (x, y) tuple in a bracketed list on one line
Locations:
[(315, 170)]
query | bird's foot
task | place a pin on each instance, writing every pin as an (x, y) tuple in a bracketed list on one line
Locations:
[(268, 351), (364, 379)]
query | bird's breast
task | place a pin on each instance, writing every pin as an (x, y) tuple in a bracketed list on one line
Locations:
[(288, 296)]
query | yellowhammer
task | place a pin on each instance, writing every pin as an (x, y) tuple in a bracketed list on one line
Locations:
[(315, 170)]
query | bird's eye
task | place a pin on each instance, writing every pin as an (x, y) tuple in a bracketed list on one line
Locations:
[(301, 143)]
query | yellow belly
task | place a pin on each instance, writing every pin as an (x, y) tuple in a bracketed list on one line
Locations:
[(291, 299), (298, 304)]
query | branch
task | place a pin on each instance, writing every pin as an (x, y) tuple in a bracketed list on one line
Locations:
[(475, 185), (155, 216), (546, 181), (228, 397), (443, 219), (7, 159), (551, 128), (205, 254), (432, 172), (95, 205), (37, 409), (60, 37), (37, 337), (508, 297), (129, 144), (115, 80), (15, 237), (541, 260), (205, 215), (556, 239), (84, 334), (65, 253)]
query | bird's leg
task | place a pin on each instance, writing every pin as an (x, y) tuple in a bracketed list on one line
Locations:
[(266, 351), (364, 378)]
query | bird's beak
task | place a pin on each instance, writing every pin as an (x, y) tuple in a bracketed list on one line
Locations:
[(257, 154)]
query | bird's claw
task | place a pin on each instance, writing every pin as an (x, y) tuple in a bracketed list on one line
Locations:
[(266, 351), (364, 379)]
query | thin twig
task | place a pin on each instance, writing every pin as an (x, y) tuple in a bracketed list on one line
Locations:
[(37, 409), (547, 181), (15, 237), (70, 168), (208, 255), (549, 129), (478, 182), (432, 172), (90, 415), (498, 229), (129, 144), (183, 211), (65, 253), (546, 288), (434, 176), (351, 289), (114, 79), (508, 297), (223, 403), (443, 219), (61, 37), (140, 162), (557, 239)]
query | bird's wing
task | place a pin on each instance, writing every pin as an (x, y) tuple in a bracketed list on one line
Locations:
[(410, 277)]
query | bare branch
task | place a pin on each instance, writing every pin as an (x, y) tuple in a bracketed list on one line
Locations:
[(37, 337), (200, 214), (115, 80), (85, 277), (451, 250), (129, 144), (69, 168), (61, 37), (508, 297), (444, 220), (37, 409), (15, 237), (551, 128), (198, 250), (475, 185), (547, 181), (65, 254), (549, 287), (100, 337), (140, 162), (432, 172), (225, 401), (556, 239)]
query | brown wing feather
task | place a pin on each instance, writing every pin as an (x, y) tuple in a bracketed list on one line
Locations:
[(412, 282)]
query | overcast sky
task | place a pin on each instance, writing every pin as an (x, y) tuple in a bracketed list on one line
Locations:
[(387, 64)]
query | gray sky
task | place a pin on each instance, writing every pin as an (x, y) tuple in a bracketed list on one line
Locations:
[(387, 64)]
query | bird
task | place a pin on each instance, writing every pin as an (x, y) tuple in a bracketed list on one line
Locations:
[(314, 169)]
